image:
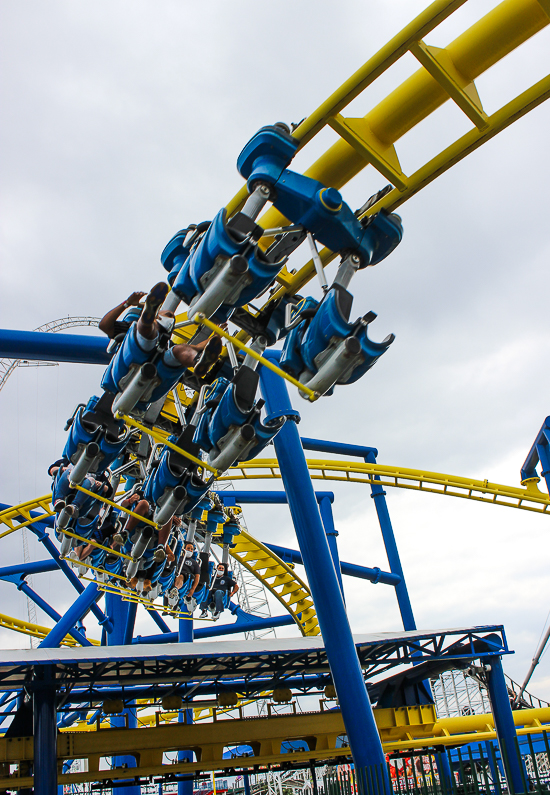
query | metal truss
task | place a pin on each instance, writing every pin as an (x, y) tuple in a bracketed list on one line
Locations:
[(248, 668)]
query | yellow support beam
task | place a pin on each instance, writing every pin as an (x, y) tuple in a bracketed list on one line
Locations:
[(403, 728), (527, 499)]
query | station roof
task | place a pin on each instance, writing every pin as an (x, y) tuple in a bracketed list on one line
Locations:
[(243, 660)]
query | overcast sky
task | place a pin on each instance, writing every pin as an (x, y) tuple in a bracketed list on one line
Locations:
[(122, 123)]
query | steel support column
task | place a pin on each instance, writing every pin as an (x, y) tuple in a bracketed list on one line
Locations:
[(185, 635), (325, 509), (341, 653), (120, 615), (444, 770), (379, 496), (504, 725), (45, 731)]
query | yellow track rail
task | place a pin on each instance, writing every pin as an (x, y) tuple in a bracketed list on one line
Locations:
[(11, 516), (446, 74), (527, 499), (279, 578), (35, 630)]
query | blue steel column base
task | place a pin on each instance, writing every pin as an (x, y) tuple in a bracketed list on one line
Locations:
[(373, 779), (325, 589), (185, 635), (122, 617), (505, 727), (45, 731), (444, 769)]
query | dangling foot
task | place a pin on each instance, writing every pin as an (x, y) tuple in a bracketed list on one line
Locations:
[(204, 614), (159, 555), (59, 505), (147, 586), (133, 583), (120, 538), (215, 615), (209, 356), (154, 300)]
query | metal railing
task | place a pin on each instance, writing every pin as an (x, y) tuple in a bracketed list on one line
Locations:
[(475, 769)]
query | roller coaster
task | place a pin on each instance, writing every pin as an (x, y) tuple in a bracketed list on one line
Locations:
[(195, 388)]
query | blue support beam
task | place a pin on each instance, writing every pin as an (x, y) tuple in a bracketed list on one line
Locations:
[(346, 671), (369, 455), (379, 496), (130, 623), (325, 509), (47, 347), (66, 623), (40, 530), (15, 573), (48, 609), (230, 498), (159, 621), (374, 575), (504, 725), (254, 624), (338, 448)]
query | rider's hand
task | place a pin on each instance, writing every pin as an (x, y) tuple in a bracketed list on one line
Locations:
[(135, 298)]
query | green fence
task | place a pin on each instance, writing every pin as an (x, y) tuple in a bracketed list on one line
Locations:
[(477, 769)]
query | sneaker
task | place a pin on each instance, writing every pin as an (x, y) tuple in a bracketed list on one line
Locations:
[(173, 593), (154, 300), (215, 615), (204, 614), (209, 356), (59, 505), (147, 586), (120, 538), (159, 554)]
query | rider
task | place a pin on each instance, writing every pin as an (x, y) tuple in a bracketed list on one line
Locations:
[(221, 585), (189, 567), (151, 322)]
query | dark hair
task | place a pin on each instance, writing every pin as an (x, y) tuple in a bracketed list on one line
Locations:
[(59, 463)]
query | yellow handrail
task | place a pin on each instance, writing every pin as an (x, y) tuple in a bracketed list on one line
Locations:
[(200, 318), (161, 438)]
